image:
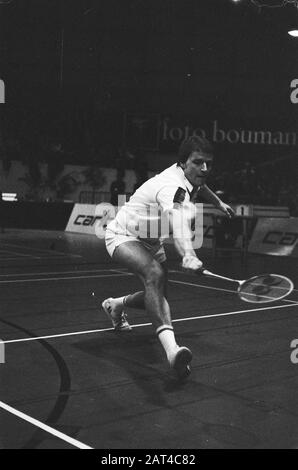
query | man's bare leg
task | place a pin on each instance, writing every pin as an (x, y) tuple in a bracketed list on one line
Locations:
[(136, 300), (138, 260)]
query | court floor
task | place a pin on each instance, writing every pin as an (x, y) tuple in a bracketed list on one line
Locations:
[(69, 381)]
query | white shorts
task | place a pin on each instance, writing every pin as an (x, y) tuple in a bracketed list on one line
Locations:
[(113, 240)]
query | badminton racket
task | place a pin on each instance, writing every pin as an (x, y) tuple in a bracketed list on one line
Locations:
[(263, 288)]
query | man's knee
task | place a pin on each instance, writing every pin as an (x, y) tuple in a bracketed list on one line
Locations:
[(154, 274)]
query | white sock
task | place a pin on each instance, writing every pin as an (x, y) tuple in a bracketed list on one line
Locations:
[(166, 336)]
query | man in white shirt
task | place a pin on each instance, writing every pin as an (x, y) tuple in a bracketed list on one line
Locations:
[(171, 193)]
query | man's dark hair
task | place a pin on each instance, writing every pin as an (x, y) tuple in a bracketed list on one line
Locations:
[(194, 144)]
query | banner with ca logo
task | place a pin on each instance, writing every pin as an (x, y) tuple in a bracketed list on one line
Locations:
[(91, 219), (275, 236)]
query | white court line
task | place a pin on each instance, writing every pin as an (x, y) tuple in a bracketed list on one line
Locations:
[(48, 273), (4, 252), (41, 258), (124, 270), (44, 279), (16, 259), (102, 330), (40, 250), (44, 427), (220, 289)]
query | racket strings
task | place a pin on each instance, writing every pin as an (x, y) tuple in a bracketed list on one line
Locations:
[(265, 288)]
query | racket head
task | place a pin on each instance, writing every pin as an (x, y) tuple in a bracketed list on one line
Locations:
[(265, 288)]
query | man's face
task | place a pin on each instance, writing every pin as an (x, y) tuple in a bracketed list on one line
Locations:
[(197, 167)]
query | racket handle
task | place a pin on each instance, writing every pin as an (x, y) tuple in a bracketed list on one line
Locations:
[(205, 272)]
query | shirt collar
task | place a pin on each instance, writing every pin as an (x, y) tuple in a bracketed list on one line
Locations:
[(188, 184)]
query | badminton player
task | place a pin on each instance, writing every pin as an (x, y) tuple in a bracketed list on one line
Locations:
[(172, 190)]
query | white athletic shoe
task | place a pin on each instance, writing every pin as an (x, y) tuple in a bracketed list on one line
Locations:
[(116, 315), (180, 362)]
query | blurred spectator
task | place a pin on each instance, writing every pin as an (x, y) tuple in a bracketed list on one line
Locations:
[(142, 176), (269, 183), (55, 161), (117, 187)]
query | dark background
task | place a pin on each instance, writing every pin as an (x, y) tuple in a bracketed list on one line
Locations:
[(74, 68), (137, 54)]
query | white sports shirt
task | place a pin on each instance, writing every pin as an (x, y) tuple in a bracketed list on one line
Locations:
[(142, 216)]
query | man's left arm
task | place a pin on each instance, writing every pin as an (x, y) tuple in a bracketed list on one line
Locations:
[(211, 197)]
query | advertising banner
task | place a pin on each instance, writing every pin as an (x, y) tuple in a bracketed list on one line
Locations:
[(90, 219), (164, 133), (275, 236)]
